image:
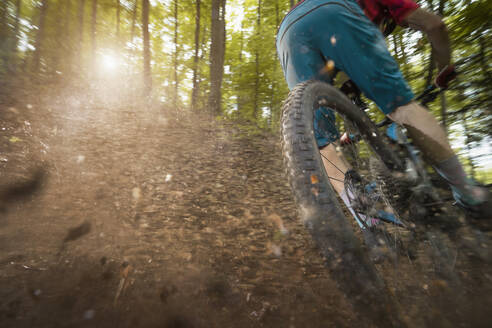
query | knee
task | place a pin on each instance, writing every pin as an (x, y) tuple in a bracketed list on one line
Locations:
[(403, 115)]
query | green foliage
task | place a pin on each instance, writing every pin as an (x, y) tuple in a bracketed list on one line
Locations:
[(253, 85)]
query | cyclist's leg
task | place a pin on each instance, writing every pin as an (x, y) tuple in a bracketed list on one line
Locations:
[(335, 166), (376, 73), (428, 135), (302, 60)]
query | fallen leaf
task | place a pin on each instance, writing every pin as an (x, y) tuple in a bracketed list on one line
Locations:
[(14, 139)]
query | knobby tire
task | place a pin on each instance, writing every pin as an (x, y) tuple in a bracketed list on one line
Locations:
[(319, 207)]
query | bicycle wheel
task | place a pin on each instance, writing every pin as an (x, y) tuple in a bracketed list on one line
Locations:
[(319, 206)]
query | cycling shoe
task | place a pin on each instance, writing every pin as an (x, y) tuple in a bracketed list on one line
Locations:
[(477, 201)]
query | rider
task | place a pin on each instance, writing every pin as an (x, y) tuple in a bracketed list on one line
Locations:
[(318, 38)]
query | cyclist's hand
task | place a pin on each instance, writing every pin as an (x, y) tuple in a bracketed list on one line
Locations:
[(445, 76)]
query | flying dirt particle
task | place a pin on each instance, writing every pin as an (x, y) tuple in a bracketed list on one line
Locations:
[(136, 193), (126, 268), (168, 178), (23, 188), (80, 159), (277, 220), (89, 314), (29, 106), (166, 292), (276, 250), (78, 232), (330, 65), (217, 287), (163, 120), (333, 40), (35, 293), (13, 110)]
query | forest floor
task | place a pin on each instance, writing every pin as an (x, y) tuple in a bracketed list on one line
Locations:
[(138, 216)]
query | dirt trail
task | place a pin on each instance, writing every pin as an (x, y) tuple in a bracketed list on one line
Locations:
[(146, 219)]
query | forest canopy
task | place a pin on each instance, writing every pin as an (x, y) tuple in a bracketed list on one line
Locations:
[(219, 56)]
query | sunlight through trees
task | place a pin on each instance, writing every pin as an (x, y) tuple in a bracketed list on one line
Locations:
[(220, 57)]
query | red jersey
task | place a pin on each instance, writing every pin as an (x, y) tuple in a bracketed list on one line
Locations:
[(377, 10)]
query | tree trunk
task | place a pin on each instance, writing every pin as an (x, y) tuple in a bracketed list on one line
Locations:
[(444, 106), (203, 55), (93, 36), (39, 37), (395, 47), (257, 63), (4, 42), (134, 20), (4, 32), (403, 55), (146, 53), (175, 61), (194, 91), (67, 39), (430, 71), (468, 147), (60, 39), (217, 53), (274, 79), (239, 90), (444, 112), (483, 60), (15, 38), (118, 7), (80, 41)]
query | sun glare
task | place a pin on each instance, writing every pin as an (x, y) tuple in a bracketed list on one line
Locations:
[(109, 62)]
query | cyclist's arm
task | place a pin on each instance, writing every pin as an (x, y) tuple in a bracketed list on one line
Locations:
[(436, 30)]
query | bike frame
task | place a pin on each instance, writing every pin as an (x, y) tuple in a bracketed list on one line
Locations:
[(415, 166)]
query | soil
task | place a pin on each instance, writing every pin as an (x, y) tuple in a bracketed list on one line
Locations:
[(142, 216)]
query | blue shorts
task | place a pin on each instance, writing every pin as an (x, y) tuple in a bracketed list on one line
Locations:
[(318, 31)]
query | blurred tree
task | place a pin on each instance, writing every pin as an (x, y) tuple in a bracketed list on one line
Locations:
[(43, 10), (146, 43), (80, 41), (4, 33), (14, 39), (118, 17), (196, 58), (179, 51), (175, 61), (217, 52), (93, 36)]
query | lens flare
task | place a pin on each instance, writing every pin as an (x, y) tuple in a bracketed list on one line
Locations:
[(109, 62)]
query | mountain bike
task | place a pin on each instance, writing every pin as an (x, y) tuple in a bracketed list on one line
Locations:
[(399, 210)]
